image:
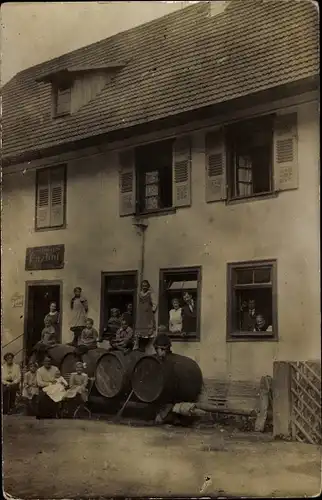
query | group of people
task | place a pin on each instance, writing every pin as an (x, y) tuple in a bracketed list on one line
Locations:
[(43, 388), (183, 318), (252, 320)]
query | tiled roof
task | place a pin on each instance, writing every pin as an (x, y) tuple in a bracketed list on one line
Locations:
[(178, 63)]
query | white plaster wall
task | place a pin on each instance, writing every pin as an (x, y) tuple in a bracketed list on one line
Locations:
[(96, 239)]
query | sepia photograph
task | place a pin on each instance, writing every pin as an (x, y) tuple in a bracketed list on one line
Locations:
[(160, 222)]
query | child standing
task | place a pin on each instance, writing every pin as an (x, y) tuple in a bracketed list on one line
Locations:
[(79, 306), (30, 389), (123, 340), (88, 339), (54, 317), (78, 383), (145, 324)]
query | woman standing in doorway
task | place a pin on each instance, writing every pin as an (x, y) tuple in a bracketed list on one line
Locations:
[(79, 307), (145, 323), (54, 317)]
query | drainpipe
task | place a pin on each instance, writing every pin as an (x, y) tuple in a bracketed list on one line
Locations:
[(141, 226)]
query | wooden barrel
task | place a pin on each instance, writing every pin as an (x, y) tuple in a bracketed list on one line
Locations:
[(91, 358), (173, 380), (64, 357), (113, 373)]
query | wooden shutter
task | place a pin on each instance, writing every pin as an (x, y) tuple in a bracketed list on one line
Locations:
[(57, 196), (285, 152), (181, 172), (215, 166), (127, 182), (43, 194)]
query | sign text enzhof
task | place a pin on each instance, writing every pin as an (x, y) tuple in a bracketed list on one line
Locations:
[(49, 257)]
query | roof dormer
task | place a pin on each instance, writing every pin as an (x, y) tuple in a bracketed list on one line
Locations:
[(74, 87)]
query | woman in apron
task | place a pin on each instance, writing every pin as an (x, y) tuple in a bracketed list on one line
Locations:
[(145, 323)]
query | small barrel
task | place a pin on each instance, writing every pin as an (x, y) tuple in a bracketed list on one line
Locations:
[(113, 373), (64, 357), (172, 380)]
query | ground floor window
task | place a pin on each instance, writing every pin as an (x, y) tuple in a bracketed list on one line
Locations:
[(118, 300), (179, 302), (252, 301)]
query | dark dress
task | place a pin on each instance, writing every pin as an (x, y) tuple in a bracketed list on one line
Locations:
[(189, 319), (145, 324)]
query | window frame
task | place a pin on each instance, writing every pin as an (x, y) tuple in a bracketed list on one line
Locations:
[(140, 171), (231, 162), (240, 336), (181, 270), (64, 204), (105, 275)]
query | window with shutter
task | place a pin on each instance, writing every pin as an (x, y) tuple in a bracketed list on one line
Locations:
[(215, 166), (154, 171), (127, 182), (182, 172), (285, 152), (50, 202)]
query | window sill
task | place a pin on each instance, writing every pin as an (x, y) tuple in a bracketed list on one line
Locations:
[(56, 228), (155, 213), (252, 337), (254, 197), (60, 115), (192, 337)]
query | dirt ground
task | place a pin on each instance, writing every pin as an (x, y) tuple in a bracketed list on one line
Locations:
[(73, 458)]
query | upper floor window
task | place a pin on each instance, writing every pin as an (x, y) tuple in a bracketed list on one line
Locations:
[(155, 177), (252, 158), (62, 99), (251, 301), (51, 197)]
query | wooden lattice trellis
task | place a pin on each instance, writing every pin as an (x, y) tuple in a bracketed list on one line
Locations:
[(306, 401)]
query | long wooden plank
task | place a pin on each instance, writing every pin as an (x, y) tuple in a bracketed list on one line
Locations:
[(316, 415), (308, 423), (316, 375), (306, 379), (308, 437), (307, 393)]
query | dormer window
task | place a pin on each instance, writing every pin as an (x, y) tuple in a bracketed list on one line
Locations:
[(62, 101)]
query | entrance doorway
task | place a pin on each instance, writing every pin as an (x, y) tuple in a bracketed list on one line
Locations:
[(39, 295), (118, 290)]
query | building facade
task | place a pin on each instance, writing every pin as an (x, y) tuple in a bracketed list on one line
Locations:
[(224, 206)]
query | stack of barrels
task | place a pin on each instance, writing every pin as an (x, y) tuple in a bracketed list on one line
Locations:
[(175, 379)]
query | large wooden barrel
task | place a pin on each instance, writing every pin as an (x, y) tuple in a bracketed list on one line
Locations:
[(113, 373), (64, 357), (172, 380), (91, 358)]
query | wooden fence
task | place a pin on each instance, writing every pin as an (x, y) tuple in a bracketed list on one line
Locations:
[(297, 400)]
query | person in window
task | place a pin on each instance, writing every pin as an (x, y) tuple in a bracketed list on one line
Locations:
[(88, 339), (145, 323), (30, 390), (48, 340), (249, 316), (175, 317), (54, 317), (10, 375), (79, 307), (189, 314), (261, 325), (123, 340), (128, 314)]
